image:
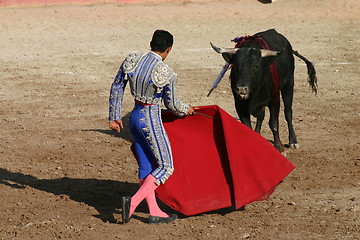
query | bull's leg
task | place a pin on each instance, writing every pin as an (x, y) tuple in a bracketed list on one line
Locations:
[(274, 124), (242, 111), (259, 120), (287, 93)]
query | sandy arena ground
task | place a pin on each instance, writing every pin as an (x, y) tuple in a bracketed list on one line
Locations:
[(62, 171)]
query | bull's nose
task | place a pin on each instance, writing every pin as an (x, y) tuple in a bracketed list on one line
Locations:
[(243, 90)]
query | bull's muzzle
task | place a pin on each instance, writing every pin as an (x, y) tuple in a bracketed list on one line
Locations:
[(243, 92)]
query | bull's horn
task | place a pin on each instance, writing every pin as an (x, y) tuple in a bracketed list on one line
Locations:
[(269, 53), (224, 50)]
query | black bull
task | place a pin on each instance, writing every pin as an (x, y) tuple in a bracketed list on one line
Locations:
[(252, 81)]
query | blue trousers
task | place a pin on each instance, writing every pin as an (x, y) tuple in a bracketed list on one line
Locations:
[(151, 143)]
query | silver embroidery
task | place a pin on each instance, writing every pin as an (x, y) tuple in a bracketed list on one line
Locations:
[(162, 150), (161, 74), (131, 61), (158, 142)]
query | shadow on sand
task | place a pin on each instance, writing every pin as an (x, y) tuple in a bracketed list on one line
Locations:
[(103, 195)]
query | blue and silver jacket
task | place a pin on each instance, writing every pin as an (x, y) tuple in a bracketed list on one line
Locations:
[(151, 81)]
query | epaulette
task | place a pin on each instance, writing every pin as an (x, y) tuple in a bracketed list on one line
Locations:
[(161, 74), (131, 61)]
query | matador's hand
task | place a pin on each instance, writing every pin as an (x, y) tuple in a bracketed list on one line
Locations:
[(191, 111), (116, 125)]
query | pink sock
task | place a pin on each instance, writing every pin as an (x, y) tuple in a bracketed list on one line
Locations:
[(152, 204), (147, 189)]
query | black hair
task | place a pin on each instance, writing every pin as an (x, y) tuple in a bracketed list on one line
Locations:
[(161, 40)]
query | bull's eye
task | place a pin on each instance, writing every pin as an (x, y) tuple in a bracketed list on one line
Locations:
[(257, 66)]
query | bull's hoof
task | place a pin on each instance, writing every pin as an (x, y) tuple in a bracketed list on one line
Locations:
[(280, 148), (294, 145)]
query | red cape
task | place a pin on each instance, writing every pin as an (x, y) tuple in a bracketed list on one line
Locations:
[(219, 162)]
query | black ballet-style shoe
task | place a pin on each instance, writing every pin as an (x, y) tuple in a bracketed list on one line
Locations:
[(125, 206), (158, 220)]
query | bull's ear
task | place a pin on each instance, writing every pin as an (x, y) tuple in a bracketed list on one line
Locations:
[(229, 57)]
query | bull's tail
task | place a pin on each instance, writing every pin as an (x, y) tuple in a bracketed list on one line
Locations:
[(312, 79)]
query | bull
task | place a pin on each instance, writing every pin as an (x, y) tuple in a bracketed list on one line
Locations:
[(260, 71)]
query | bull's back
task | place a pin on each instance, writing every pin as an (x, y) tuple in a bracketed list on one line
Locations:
[(285, 62), (275, 40)]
